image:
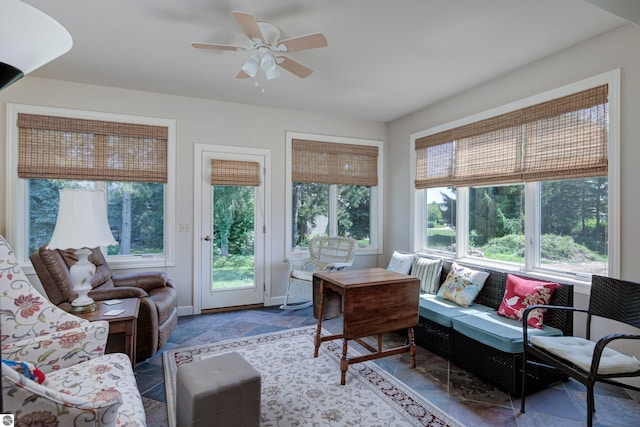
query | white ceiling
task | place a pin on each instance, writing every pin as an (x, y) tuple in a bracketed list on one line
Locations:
[(385, 59)]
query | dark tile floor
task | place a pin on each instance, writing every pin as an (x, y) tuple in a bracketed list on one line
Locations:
[(465, 397)]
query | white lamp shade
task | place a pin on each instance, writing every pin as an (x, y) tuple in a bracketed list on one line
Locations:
[(28, 37), (82, 221)]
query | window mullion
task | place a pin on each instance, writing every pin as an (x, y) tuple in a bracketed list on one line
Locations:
[(532, 225), (333, 210), (462, 222)]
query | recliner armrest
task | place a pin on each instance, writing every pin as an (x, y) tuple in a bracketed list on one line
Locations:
[(147, 280), (101, 294)]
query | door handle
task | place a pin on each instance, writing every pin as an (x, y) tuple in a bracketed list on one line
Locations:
[(207, 238)]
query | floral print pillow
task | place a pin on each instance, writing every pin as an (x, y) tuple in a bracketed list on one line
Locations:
[(462, 285), (520, 294)]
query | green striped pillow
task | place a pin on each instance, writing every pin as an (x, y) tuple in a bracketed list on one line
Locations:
[(428, 271)]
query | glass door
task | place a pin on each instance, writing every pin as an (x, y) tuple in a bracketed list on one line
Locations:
[(233, 259)]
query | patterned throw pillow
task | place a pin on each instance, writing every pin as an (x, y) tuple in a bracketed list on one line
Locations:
[(462, 285), (401, 263), (520, 294), (428, 271)]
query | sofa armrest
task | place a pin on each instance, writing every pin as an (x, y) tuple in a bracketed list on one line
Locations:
[(146, 280), (61, 348), (63, 408)]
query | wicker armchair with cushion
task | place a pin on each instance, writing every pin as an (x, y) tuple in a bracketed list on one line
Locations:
[(325, 254), (158, 315), (582, 359), (54, 370)]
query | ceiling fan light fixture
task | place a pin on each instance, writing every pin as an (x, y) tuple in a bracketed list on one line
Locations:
[(272, 74), (267, 61), (251, 66)]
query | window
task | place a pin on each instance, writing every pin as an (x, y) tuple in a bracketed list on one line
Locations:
[(333, 190), (130, 158), (529, 188), (440, 214)]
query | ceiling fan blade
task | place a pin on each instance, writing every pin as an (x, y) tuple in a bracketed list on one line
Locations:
[(242, 75), (294, 67), (310, 41), (217, 46), (249, 25)]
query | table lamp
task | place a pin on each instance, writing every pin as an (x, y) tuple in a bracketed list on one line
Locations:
[(82, 224)]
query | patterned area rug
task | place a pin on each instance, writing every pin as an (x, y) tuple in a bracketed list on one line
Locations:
[(300, 390)]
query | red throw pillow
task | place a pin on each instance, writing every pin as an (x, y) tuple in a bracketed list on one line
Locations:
[(520, 294)]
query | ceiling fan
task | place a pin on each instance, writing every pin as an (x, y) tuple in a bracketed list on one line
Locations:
[(267, 48)]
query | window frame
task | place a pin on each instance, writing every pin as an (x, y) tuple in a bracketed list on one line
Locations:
[(376, 246), (532, 220), (16, 197)]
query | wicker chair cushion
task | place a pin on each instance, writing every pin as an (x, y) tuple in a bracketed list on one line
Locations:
[(401, 263), (442, 311), (579, 351), (462, 285), (428, 271), (497, 331), (302, 275), (521, 293)]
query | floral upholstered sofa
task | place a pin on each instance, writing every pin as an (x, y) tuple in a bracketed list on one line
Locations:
[(54, 370)]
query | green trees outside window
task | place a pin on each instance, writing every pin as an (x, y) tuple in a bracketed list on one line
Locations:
[(135, 211), (314, 213), (571, 235)]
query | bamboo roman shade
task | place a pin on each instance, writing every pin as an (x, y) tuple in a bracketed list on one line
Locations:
[(235, 172), (559, 139), (334, 163), (80, 149)]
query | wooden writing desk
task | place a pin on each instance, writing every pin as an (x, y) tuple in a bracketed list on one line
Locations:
[(374, 301)]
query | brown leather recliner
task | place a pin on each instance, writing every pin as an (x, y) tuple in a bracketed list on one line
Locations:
[(158, 315)]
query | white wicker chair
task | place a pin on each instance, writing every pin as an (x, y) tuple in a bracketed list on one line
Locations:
[(325, 254)]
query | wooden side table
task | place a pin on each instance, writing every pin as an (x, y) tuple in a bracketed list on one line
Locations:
[(124, 323), (374, 301)]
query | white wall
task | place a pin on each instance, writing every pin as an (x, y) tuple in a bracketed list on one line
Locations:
[(198, 121), (617, 49)]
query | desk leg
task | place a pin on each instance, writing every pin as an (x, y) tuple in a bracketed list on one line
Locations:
[(344, 363), (412, 347), (318, 338)]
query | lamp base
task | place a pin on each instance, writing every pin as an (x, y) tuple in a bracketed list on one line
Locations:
[(81, 273), (81, 309)]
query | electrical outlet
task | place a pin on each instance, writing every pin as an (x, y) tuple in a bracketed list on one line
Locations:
[(185, 228)]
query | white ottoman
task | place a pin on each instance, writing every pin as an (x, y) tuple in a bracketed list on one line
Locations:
[(220, 391)]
